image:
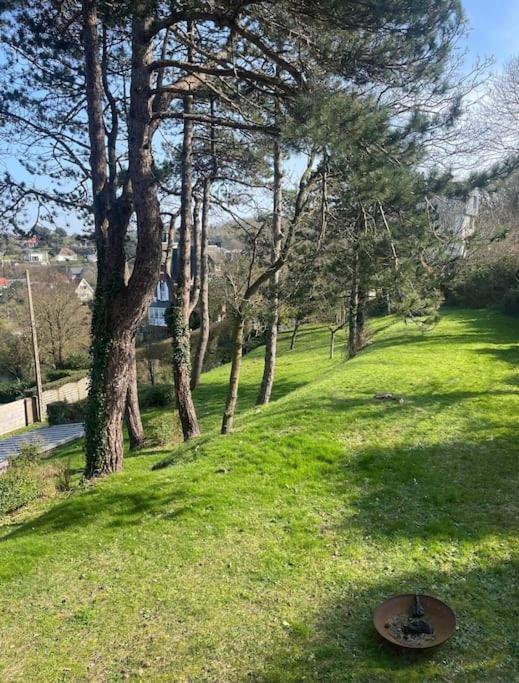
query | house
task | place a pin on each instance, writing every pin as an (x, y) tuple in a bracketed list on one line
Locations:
[(91, 258), (39, 257), (157, 314), (66, 254), (159, 305), (4, 283), (84, 291), (31, 242)]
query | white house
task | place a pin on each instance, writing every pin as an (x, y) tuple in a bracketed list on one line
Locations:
[(66, 254), (32, 256), (159, 305), (84, 291)]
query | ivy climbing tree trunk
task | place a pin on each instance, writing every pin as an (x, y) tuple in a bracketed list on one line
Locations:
[(120, 303)]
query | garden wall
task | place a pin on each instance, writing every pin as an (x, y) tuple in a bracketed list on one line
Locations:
[(22, 413)]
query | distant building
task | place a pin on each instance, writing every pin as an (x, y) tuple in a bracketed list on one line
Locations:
[(31, 256), (66, 254), (159, 305), (170, 264), (91, 258), (457, 221), (84, 291), (31, 242)]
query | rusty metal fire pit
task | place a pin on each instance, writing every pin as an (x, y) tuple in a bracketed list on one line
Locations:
[(414, 621)]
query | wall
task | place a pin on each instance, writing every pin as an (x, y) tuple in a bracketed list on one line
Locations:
[(19, 414)]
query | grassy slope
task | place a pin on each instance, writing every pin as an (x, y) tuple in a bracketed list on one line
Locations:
[(259, 556)]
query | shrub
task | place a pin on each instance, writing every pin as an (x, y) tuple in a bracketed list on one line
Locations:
[(23, 480), (163, 430), (511, 301), (482, 285), (77, 361), (63, 412), (12, 391), (53, 375), (156, 395), (29, 453), (63, 475)]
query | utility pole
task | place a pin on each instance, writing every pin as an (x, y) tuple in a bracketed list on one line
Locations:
[(36, 353)]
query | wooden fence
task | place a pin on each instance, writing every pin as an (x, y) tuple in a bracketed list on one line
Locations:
[(22, 413)]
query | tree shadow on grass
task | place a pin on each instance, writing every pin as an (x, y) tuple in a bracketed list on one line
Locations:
[(459, 490), (337, 642)]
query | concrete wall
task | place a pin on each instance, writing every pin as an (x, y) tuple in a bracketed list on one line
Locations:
[(21, 413)]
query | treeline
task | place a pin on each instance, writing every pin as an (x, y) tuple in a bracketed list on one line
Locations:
[(157, 115)]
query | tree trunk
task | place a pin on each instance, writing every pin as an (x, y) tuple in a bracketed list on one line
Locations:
[(272, 329), (195, 290), (104, 444), (234, 379), (353, 308), (297, 325), (203, 337), (181, 306), (361, 318), (332, 343), (133, 412)]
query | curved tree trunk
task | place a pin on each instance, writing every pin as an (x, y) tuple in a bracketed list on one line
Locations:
[(203, 337), (234, 379), (271, 341), (133, 412), (297, 325)]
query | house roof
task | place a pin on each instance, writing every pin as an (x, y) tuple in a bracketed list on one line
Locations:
[(84, 283), (66, 251), (4, 282)]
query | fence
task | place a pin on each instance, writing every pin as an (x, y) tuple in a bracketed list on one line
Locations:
[(22, 413)]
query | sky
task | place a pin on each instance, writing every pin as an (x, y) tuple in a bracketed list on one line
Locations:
[(493, 32), (494, 28)]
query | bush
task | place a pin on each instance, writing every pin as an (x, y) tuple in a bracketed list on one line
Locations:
[(12, 391), (163, 430), (511, 301), (156, 396), (53, 375), (23, 480), (77, 361), (483, 285), (63, 412)]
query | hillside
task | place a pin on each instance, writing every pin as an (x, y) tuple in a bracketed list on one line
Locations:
[(260, 556)]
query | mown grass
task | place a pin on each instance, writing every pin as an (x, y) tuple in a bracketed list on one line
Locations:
[(260, 556)]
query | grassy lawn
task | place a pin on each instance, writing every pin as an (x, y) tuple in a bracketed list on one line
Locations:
[(260, 556)]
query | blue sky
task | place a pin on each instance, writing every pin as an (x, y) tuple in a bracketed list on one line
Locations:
[(494, 28), (493, 32)]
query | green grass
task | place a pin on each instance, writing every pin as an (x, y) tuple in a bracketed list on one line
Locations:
[(260, 556)]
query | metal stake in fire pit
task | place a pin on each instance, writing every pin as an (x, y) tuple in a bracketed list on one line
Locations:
[(414, 621)]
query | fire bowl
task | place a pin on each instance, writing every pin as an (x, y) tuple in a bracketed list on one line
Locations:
[(389, 616)]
